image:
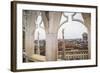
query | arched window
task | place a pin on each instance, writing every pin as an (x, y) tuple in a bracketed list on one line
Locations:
[(40, 36), (70, 33), (72, 25)]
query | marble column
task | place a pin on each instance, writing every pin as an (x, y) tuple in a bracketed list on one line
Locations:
[(87, 23), (51, 22), (29, 33), (51, 46)]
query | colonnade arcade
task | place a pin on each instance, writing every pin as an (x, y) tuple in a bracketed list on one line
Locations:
[(50, 23)]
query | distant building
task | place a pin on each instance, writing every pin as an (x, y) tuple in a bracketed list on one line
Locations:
[(75, 49), (74, 54), (85, 36), (41, 46)]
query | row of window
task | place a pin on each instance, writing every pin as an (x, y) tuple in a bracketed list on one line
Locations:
[(75, 57), (78, 52)]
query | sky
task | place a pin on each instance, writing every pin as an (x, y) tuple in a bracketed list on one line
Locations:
[(72, 29)]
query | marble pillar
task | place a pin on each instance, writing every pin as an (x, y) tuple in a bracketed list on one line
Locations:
[(87, 23)]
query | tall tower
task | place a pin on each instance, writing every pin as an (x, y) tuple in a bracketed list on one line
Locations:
[(85, 36), (85, 40), (63, 47), (38, 49)]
